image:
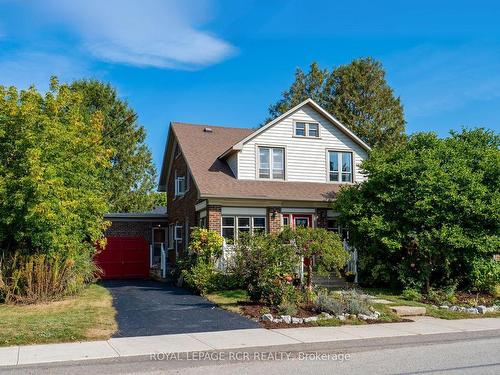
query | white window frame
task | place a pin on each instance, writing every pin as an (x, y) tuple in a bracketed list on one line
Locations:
[(339, 163), (271, 162), (235, 225), (177, 235), (306, 129), (178, 191)]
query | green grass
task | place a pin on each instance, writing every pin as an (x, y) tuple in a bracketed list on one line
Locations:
[(87, 316), (431, 311), (228, 299)]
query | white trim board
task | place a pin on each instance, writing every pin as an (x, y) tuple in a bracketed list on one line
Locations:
[(251, 211)]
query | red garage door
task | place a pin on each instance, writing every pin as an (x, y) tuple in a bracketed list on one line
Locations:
[(124, 258)]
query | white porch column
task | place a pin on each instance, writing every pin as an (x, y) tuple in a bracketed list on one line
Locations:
[(163, 262), (150, 256)]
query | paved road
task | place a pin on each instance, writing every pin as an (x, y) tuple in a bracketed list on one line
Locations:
[(461, 353), (147, 307)]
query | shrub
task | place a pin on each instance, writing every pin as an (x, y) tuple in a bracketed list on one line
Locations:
[(39, 277), (355, 303), (485, 274), (411, 294), (262, 262), (328, 304), (287, 308)]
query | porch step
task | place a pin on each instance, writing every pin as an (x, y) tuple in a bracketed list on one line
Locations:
[(329, 282), (155, 274)]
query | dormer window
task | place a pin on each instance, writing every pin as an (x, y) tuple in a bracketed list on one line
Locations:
[(272, 163), (307, 129), (180, 186)]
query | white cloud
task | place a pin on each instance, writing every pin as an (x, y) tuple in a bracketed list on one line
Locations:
[(163, 34)]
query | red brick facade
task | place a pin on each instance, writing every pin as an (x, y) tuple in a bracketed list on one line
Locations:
[(274, 219), (322, 218), (214, 218), (181, 209), (130, 229)]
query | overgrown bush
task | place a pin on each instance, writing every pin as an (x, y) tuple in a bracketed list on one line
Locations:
[(39, 277), (262, 262), (197, 270), (52, 197), (429, 213)]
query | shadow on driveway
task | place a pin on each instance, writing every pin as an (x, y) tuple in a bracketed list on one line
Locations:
[(147, 307)]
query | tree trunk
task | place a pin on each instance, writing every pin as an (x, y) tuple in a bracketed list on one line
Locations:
[(309, 274)]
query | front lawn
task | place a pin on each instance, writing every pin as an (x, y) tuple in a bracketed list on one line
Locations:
[(87, 316), (432, 310), (238, 301)]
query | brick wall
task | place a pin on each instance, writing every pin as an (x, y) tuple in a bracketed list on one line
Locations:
[(214, 218), (130, 229), (181, 209), (322, 218), (274, 219)]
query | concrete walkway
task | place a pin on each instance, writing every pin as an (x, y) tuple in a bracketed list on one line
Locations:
[(235, 339)]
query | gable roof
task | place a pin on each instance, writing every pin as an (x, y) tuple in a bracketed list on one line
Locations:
[(239, 145), (214, 179)]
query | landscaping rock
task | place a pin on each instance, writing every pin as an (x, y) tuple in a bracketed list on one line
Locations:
[(297, 320), (472, 310), (310, 319), (444, 307), (409, 310), (277, 320), (482, 309), (286, 318), (381, 301), (341, 317), (267, 318), (325, 316)]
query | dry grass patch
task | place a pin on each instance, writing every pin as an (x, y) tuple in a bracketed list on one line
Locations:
[(87, 316)]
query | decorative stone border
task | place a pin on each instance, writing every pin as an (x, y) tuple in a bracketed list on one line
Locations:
[(323, 316), (481, 309)]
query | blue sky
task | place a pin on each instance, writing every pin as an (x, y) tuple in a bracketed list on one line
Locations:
[(225, 62)]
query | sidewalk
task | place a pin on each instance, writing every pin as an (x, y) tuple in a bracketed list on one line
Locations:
[(237, 339)]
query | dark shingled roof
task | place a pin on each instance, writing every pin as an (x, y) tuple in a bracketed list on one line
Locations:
[(214, 178)]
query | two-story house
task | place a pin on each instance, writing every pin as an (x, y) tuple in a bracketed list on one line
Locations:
[(235, 180)]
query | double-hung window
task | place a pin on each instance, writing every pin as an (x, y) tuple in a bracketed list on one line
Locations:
[(180, 185), (272, 163), (307, 129), (340, 166)]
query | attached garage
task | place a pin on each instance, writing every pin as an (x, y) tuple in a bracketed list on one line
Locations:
[(132, 239), (124, 258)]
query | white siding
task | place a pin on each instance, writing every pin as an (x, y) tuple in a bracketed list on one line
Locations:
[(305, 158), (232, 161)]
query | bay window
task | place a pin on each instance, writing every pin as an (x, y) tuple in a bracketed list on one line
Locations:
[(272, 163), (340, 166)]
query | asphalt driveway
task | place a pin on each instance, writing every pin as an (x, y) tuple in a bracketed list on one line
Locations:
[(147, 307)]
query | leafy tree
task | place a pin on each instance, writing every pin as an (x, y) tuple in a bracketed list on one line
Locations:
[(52, 199), (131, 179), (429, 214), (357, 94), (319, 243)]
